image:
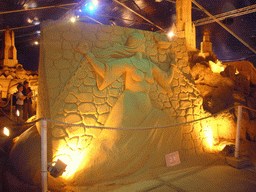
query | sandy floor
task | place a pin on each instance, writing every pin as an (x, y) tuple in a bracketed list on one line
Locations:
[(217, 175)]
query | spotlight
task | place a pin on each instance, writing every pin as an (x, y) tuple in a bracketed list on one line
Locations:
[(57, 168), (36, 43), (91, 6), (18, 113), (6, 131)]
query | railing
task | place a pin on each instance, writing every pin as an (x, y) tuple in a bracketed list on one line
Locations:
[(44, 121)]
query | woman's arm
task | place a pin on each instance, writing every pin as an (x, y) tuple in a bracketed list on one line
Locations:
[(98, 66), (163, 78), (20, 96)]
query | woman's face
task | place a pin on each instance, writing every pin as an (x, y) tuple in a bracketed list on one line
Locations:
[(137, 43), (142, 47)]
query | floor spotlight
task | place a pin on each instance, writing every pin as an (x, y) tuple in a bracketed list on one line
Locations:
[(56, 168)]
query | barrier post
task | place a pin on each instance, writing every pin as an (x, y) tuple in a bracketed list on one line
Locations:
[(44, 154), (11, 107), (239, 118)]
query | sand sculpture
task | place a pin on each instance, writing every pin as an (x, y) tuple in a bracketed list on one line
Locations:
[(133, 108), (11, 72), (107, 76)]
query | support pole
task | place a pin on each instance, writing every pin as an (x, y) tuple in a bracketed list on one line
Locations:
[(11, 106), (239, 118), (44, 154)]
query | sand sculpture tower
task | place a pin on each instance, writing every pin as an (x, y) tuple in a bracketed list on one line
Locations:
[(185, 27), (9, 52), (206, 45)]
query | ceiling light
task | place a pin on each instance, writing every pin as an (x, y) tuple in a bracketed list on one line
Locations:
[(95, 2), (73, 19), (29, 20), (170, 34), (91, 6), (36, 22)]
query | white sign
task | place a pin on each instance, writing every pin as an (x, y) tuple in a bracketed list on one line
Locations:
[(172, 159)]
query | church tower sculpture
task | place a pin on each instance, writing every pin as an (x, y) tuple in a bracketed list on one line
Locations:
[(185, 27), (8, 55)]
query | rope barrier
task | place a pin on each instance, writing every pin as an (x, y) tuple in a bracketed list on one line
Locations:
[(140, 128), (6, 104), (249, 108), (120, 128), (20, 123), (125, 128)]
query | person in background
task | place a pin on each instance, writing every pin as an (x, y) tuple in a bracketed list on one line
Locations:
[(27, 107), (20, 101)]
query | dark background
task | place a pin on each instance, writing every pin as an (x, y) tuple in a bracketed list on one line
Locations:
[(162, 14)]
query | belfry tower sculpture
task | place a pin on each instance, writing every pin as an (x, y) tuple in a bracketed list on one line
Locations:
[(8, 55), (185, 27)]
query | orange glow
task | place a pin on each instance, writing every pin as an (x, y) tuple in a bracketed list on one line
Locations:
[(219, 147), (72, 159), (237, 72), (217, 131), (217, 67), (209, 137), (29, 20)]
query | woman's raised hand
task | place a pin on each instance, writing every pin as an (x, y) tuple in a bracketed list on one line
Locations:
[(83, 48)]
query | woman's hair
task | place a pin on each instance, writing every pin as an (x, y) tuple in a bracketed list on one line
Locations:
[(127, 50), (19, 85)]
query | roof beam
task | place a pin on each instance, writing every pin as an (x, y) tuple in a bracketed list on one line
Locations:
[(222, 16), (139, 15), (222, 25)]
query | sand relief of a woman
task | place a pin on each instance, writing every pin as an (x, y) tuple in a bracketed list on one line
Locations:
[(134, 108), (121, 152)]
